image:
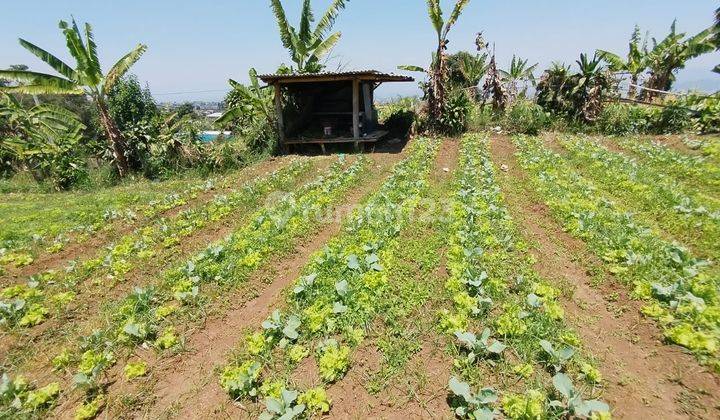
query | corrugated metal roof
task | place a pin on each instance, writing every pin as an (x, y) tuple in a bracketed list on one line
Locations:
[(322, 76)]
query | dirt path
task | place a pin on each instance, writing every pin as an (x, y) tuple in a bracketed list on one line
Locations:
[(187, 386), (644, 378)]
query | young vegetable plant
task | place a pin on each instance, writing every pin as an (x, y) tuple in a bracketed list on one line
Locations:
[(284, 331), (557, 358), (283, 408), (241, 381), (479, 346), (333, 360), (573, 404), (469, 405)]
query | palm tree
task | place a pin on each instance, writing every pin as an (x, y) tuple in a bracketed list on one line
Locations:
[(308, 46), (467, 70), (438, 70), (519, 71), (85, 79), (671, 54), (634, 65), (592, 82)]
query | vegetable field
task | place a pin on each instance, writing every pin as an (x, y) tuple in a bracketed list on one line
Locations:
[(488, 276)]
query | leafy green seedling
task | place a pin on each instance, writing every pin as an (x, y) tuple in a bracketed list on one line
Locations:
[(285, 331), (557, 357), (241, 381), (305, 283), (479, 346), (352, 262), (283, 408), (575, 405), (467, 404)]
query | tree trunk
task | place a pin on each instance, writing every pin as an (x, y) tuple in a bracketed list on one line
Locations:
[(117, 142), (437, 84), (632, 89)]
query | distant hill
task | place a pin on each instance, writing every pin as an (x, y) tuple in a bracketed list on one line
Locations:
[(710, 85)]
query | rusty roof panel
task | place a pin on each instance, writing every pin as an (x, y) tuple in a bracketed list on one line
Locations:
[(336, 76)]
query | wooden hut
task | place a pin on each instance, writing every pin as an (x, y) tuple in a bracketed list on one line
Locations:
[(323, 108)]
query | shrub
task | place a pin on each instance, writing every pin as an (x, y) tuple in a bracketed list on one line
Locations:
[(624, 119), (673, 119), (525, 117), (400, 123), (481, 118), (134, 111), (455, 117), (225, 155), (696, 112)]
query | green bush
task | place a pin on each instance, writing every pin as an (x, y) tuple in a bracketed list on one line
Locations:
[(525, 117), (455, 118), (227, 154), (624, 119), (696, 112), (482, 117), (672, 120), (400, 123)]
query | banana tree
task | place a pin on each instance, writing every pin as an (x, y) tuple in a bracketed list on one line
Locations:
[(493, 87), (251, 99), (438, 71), (519, 72), (473, 68), (308, 46), (634, 65), (34, 137), (248, 107), (86, 78), (424, 84), (592, 83), (672, 54)]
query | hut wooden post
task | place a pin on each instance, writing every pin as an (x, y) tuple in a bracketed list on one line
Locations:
[(279, 114), (356, 108), (368, 108)]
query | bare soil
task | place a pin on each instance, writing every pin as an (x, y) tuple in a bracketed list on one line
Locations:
[(644, 377)]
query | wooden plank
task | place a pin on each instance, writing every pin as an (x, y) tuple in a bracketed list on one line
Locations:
[(334, 113), (279, 114), (334, 141), (370, 138), (356, 108), (367, 102)]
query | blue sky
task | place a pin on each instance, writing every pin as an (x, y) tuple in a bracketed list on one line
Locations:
[(198, 45)]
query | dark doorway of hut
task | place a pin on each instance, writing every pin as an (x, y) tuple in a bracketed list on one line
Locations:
[(331, 112)]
